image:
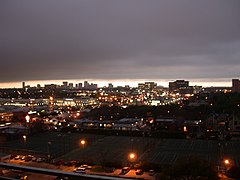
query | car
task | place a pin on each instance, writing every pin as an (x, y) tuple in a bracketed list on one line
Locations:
[(18, 157), (24, 177), (58, 162), (77, 164), (34, 159), (12, 156), (139, 172), (125, 170), (80, 170), (40, 160), (89, 167), (28, 159), (21, 176), (73, 162), (84, 166), (151, 172), (67, 163)]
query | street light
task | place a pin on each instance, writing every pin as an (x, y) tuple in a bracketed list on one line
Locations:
[(82, 142), (24, 138), (27, 117), (132, 157), (226, 161)]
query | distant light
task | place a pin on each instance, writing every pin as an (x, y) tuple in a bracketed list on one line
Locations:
[(27, 118), (32, 112), (83, 142), (24, 138), (132, 156), (226, 161)]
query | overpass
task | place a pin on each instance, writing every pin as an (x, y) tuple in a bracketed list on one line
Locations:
[(59, 173)]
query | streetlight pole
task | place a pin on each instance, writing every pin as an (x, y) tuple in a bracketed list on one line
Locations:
[(83, 143), (24, 140), (132, 157)]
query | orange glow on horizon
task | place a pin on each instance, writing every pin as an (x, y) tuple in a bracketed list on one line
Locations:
[(120, 82)]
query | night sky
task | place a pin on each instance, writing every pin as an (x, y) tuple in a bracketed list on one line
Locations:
[(120, 40)]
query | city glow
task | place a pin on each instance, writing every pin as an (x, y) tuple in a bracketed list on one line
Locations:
[(120, 82)]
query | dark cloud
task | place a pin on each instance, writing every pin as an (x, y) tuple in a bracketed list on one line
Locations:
[(128, 39)]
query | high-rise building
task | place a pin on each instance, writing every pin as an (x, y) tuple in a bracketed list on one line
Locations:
[(23, 85), (147, 85), (141, 85), (65, 84), (80, 85), (150, 85), (86, 84), (110, 85), (92, 86), (176, 85), (70, 85), (235, 85)]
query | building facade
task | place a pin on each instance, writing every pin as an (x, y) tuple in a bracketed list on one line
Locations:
[(235, 85)]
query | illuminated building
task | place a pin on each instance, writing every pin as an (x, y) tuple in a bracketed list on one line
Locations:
[(176, 85), (86, 84)]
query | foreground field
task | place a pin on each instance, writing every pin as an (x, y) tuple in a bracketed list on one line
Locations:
[(99, 148)]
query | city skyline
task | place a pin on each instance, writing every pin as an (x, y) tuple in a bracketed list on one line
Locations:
[(120, 42), (115, 83)]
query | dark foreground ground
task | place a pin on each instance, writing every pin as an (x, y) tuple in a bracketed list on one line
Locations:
[(99, 148)]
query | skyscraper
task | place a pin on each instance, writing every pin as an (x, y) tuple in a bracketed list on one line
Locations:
[(235, 85), (86, 84), (23, 85), (65, 84), (176, 85)]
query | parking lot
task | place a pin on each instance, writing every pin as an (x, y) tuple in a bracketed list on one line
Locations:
[(68, 168)]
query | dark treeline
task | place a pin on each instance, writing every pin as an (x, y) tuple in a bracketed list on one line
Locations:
[(227, 103)]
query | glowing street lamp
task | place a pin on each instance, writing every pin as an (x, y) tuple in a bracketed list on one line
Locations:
[(226, 162), (132, 156), (27, 118), (82, 143), (24, 138)]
